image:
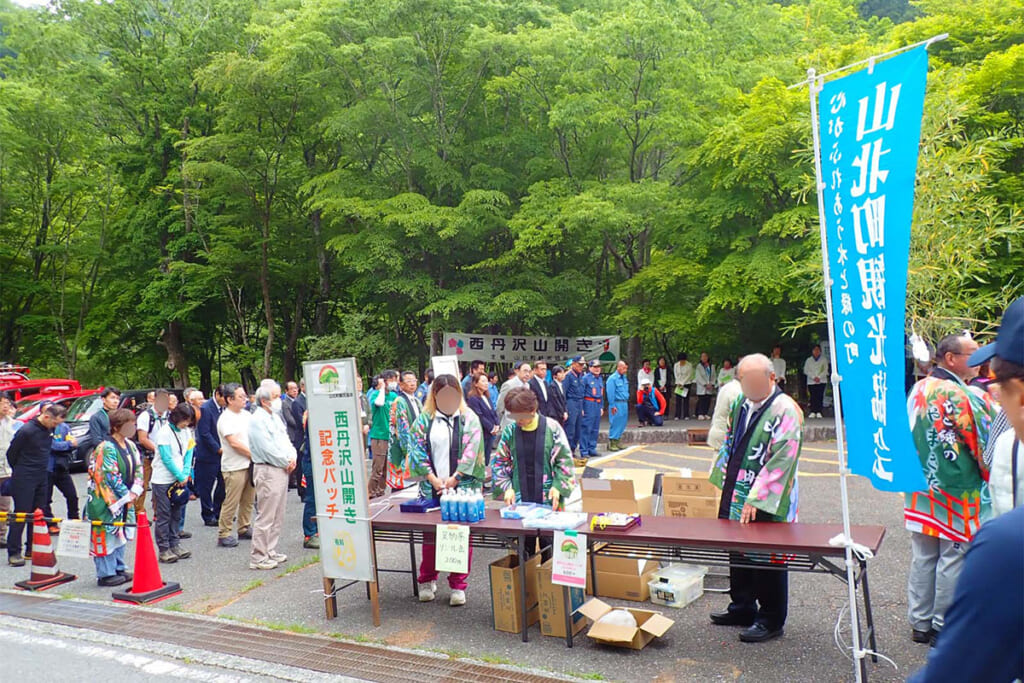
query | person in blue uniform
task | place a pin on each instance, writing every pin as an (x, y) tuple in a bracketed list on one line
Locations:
[(573, 388), (593, 410), (618, 405)]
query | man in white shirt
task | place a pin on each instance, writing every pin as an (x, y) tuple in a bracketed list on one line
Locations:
[(239, 493), (147, 424), (8, 425), (274, 458), (779, 365), (816, 369)]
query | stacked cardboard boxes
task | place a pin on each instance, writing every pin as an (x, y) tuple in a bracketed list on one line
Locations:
[(689, 494)]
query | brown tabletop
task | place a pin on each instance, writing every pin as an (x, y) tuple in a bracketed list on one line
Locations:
[(811, 539), (394, 519)]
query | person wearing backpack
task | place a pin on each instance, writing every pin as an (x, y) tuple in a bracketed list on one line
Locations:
[(147, 424)]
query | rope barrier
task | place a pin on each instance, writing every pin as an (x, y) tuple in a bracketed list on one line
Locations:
[(7, 517)]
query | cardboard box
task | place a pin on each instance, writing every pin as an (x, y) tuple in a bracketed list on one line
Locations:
[(505, 593), (552, 605), (634, 587), (689, 494), (689, 483), (627, 491), (685, 506), (650, 625)]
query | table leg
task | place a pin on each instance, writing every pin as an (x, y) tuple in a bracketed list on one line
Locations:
[(568, 616), (593, 566), (522, 587), (412, 568), (872, 640)]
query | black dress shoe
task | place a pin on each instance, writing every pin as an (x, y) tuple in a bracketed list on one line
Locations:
[(127, 575), (922, 636), (115, 580), (758, 633), (211, 522), (728, 618)]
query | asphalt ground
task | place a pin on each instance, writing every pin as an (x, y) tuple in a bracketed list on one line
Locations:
[(218, 582)]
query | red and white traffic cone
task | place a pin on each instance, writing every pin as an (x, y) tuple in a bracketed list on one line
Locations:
[(44, 562), (147, 584)]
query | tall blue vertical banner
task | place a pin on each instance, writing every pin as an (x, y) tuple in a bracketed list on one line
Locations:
[(870, 129)]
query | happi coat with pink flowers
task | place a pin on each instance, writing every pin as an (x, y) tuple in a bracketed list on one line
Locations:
[(767, 460)]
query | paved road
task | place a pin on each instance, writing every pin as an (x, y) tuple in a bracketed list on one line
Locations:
[(33, 651), (218, 582)]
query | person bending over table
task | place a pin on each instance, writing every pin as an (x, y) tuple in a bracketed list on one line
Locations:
[(447, 453), (756, 470), (533, 461)]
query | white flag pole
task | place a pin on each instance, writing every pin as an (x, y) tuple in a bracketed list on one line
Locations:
[(816, 85)]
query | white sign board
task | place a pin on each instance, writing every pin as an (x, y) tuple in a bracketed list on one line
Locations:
[(506, 348), (74, 538), (339, 474), (446, 365), (452, 551), (569, 566)]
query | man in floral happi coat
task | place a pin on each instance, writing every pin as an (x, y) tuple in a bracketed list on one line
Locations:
[(949, 423), (756, 470)]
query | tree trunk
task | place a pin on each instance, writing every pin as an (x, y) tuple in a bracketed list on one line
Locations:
[(177, 363), (268, 309), (323, 266), (291, 357)]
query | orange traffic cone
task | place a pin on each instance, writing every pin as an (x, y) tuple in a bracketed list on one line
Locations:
[(44, 563), (147, 585)]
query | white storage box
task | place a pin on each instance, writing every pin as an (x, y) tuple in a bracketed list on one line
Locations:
[(677, 585)]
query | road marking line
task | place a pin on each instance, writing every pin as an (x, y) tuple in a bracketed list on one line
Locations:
[(677, 455), (614, 456), (667, 468)]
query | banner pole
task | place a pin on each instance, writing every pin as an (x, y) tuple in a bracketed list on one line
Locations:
[(858, 654)]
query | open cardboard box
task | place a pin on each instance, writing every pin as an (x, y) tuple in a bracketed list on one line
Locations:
[(552, 605), (629, 491), (650, 625), (506, 604)]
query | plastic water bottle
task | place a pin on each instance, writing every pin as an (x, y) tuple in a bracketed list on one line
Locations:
[(463, 507), (472, 511), (481, 506), (446, 503)]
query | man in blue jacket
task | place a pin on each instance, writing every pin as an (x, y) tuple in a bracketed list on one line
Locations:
[(593, 411), (572, 384), (208, 480), (618, 405), (59, 474)]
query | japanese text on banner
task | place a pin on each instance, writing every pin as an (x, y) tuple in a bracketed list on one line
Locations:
[(870, 124)]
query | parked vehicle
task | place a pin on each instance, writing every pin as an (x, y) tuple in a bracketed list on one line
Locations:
[(28, 408), (18, 386), (86, 406)]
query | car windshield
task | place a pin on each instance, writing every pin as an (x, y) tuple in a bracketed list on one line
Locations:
[(84, 408), (24, 405)]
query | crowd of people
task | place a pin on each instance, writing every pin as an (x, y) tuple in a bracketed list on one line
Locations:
[(238, 455)]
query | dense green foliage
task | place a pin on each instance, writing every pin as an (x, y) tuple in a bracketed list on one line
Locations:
[(202, 189)]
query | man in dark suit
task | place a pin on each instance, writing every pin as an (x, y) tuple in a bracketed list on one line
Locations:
[(539, 385), (209, 482), (299, 411), (556, 396)]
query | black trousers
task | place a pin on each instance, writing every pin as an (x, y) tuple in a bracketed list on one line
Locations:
[(61, 479), (817, 392), (209, 486), (167, 517), (761, 594), (683, 406), (646, 414), (704, 404), (29, 492)]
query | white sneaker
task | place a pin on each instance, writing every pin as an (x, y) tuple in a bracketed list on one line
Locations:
[(279, 558), (457, 599), (427, 591), (263, 564)]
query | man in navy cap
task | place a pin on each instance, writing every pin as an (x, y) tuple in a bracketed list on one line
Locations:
[(593, 410), (573, 388)]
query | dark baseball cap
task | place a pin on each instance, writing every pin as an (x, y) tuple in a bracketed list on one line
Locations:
[(1009, 343), (595, 362)]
